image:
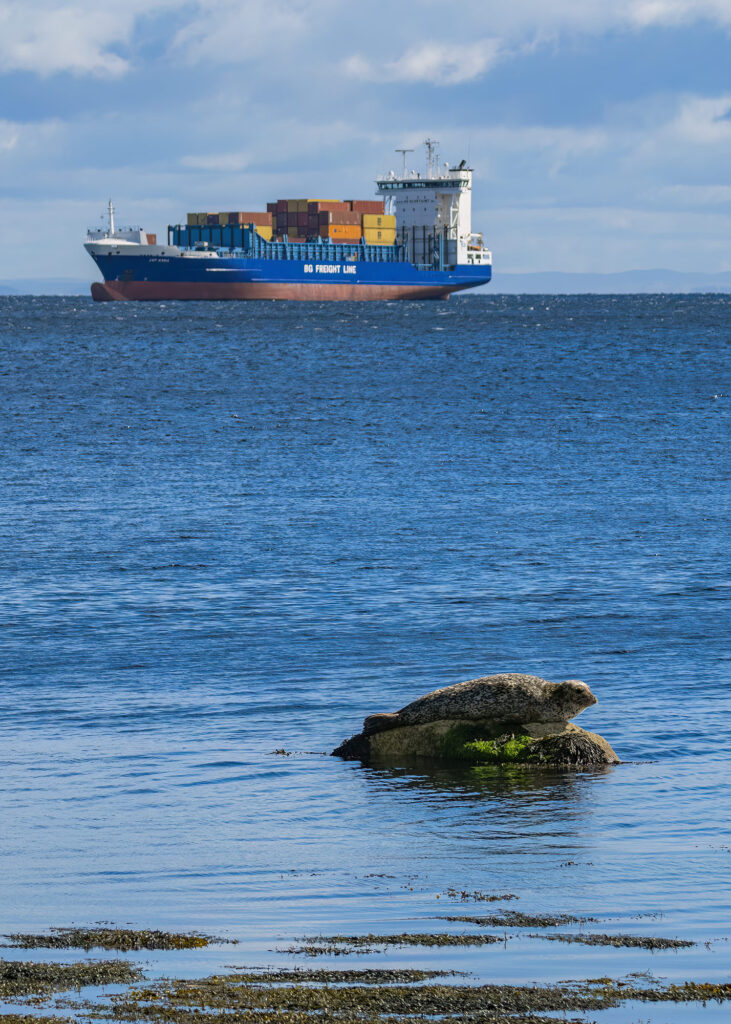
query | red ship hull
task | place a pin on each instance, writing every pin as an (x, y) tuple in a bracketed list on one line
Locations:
[(156, 291)]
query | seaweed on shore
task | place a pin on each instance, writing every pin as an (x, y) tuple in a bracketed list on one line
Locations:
[(30, 1018), (404, 939), (479, 896), (332, 976), (514, 919), (619, 941), (28, 978), (123, 939), (234, 998), (312, 949)]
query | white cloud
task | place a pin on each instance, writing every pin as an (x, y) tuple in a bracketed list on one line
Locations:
[(704, 120), (9, 135), (20, 140), (245, 31), (46, 37), (674, 12), (94, 37), (439, 63)]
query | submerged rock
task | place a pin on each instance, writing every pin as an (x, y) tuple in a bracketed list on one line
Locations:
[(508, 718)]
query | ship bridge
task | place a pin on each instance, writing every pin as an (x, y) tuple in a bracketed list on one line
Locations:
[(434, 211)]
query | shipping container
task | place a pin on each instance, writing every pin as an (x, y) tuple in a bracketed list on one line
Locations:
[(212, 218), (342, 216), (265, 232), (377, 236), (302, 219), (250, 217), (271, 207), (281, 205), (192, 220), (366, 205), (377, 220), (341, 232), (292, 218), (151, 239), (332, 205)]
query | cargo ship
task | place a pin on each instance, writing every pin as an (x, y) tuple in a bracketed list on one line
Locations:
[(415, 242)]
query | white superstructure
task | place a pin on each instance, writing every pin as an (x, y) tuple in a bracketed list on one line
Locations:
[(434, 212), (133, 241)]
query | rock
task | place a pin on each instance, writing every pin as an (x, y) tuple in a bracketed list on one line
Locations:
[(509, 718), (509, 697)]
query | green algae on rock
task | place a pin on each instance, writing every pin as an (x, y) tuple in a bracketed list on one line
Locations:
[(29, 978), (123, 939)]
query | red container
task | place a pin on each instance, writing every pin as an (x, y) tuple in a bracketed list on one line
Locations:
[(302, 220), (331, 205), (151, 239), (366, 205), (347, 217), (281, 205)]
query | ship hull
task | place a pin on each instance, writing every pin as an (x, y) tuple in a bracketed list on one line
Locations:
[(161, 291), (156, 278)]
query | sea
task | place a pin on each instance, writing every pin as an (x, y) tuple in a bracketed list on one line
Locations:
[(228, 532)]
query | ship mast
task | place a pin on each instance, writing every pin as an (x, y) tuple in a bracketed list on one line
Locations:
[(110, 208), (404, 152), (431, 145)]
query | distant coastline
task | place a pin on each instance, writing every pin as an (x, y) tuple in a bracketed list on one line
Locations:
[(627, 282), (549, 282)]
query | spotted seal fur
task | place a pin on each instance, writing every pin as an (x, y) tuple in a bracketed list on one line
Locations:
[(509, 697)]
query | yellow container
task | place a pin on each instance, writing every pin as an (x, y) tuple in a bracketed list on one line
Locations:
[(374, 236), (379, 220), (343, 232), (193, 219), (265, 233)]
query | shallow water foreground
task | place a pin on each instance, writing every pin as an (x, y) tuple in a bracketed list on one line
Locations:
[(229, 531)]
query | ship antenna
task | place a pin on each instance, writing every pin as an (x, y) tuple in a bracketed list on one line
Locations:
[(404, 152), (431, 145), (111, 218)]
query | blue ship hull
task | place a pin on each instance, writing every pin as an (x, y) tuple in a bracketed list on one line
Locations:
[(308, 272)]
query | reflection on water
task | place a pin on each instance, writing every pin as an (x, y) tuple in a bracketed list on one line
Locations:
[(519, 785)]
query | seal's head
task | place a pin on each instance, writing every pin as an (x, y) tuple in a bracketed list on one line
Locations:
[(571, 697)]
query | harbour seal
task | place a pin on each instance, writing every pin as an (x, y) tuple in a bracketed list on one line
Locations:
[(509, 697)]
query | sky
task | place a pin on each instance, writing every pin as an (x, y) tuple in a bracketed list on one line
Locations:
[(600, 132)]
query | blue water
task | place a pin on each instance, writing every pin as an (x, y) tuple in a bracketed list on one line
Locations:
[(229, 529)]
